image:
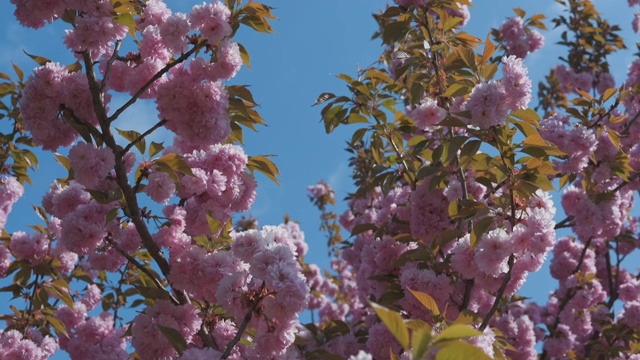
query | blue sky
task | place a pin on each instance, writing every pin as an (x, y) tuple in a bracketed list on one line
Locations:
[(313, 42)]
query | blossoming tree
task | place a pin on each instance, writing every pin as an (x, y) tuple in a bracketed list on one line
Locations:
[(452, 208)]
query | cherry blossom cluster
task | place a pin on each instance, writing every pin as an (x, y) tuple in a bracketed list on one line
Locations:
[(32, 346), (220, 186), (519, 40), (490, 102), (10, 191), (52, 100)]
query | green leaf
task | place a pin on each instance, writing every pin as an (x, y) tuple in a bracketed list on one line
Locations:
[(111, 215), (426, 300), (420, 342), (360, 228), (323, 97), (132, 135), (395, 31), (175, 338), (57, 325), (394, 323), (42, 61), (527, 115), (155, 148), (358, 135), (356, 118), (18, 72), (460, 350), (60, 289), (127, 20), (244, 55), (175, 163), (489, 49), (265, 166), (456, 331)]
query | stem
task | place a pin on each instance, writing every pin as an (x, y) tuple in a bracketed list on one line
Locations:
[(33, 295), (404, 161), (242, 327), (501, 290), (141, 267), (569, 296), (107, 71), (142, 136), (468, 286), (131, 199), (434, 60), (155, 77), (564, 223)]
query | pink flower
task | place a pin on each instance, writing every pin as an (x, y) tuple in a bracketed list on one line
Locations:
[(427, 114), (10, 191), (5, 260), (42, 96), (194, 110), (228, 60), (519, 41), (630, 314), (636, 23), (155, 13), (35, 14), (147, 339), (91, 165), (212, 20), (14, 345), (152, 45), (492, 252), (96, 338), (605, 81), (174, 31), (200, 354), (488, 105), (160, 187), (33, 247), (535, 40), (429, 212), (516, 82), (95, 34)]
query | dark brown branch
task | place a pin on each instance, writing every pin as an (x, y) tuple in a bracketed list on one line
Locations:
[(242, 327), (499, 294), (130, 196), (141, 267), (107, 70), (155, 77), (142, 136), (564, 223), (468, 286)]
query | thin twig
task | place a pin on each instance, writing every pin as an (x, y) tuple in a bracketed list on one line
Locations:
[(155, 77), (499, 294), (107, 70), (242, 327), (131, 199), (564, 223), (142, 136), (468, 286), (146, 271)]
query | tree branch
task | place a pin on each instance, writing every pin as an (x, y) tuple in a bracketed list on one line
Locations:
[(107, 70), (242, 327), (141, 267), (155, 77), (142, 136), (499, 294)]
